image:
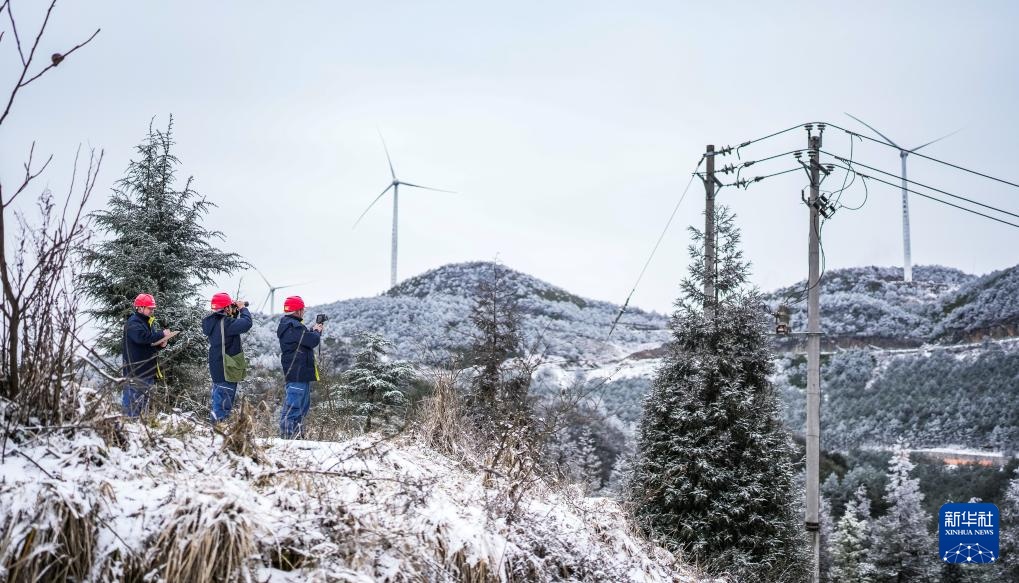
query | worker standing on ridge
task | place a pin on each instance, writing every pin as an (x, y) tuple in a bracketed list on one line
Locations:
[(223, 327), (143, 339), (297, 346)]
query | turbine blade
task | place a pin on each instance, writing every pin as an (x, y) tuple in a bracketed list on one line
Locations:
[(264, 302), (260, 274), (388, 159), (886, 138), (937, 140), (293, 285), (427, 187), (371, 205)]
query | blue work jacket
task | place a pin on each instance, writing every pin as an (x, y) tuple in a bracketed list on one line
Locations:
[(139, 355), (231, 333), (297, 350)]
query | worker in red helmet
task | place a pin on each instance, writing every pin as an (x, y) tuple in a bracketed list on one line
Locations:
[(143, 339), (297, 355), (223, 327)]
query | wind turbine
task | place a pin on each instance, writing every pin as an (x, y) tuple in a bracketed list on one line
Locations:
[(395, 185), (271, 296), (907, 266)]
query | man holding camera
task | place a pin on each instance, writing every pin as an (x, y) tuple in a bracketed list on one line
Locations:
[(297, 355), (223, 327), (143, 339)]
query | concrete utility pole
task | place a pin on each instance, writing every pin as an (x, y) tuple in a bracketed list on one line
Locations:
[(709, 234), (812, 522)]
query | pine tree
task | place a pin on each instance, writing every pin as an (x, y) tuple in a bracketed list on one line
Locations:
[(713, 474), (904, 549), (827, 533), (154, 242), (497, 387), (851, 544), (376, 385), (1009, 532)]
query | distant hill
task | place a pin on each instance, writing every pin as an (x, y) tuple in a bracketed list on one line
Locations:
[(427, 317), (988, 306), (863, 306), (872, 305), (874, 394)]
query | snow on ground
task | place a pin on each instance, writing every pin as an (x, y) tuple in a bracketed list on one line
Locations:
[(169, 500)]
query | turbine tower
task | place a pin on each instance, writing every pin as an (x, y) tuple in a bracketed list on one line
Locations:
[(907, 265), (395, 185)]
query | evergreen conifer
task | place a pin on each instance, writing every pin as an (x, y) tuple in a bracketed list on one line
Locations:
[(713, 473), (498, 388), (1009, 529), (851, 544), (904, 549), (376, 385), (153, 241)]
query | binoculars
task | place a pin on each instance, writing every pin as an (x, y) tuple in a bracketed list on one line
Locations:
[(321, 319)]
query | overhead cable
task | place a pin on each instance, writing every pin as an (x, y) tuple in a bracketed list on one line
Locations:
[(932, 159), (761, 139), (936, 199), (668, 223), (945, 192)]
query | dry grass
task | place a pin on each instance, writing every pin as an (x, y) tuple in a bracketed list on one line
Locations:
[(52, 541), (205, 541), (239, 435), (442, 418)]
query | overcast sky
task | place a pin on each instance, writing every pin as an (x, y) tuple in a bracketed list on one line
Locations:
[(569, 129)]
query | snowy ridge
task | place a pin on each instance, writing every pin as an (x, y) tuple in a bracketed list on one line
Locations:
[(874, 302), (427, 316), (359, 510)]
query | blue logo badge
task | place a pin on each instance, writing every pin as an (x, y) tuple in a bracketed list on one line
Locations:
[(968, 533)]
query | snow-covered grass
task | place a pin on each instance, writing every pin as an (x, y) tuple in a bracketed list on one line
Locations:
[(170, 503)]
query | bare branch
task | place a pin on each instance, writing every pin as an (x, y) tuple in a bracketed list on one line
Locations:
[(14, 28), (26, 61), (62, 57)]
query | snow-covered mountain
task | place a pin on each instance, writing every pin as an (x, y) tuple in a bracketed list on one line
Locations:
[(873, 395), (427, 316), (873, 304)]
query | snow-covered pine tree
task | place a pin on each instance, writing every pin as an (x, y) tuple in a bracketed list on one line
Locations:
[(903, 546), (153, 241), (575, 453), (713, 472), (375, 385), (851, 543), (1009, 529), (827, 532), (497, 388)]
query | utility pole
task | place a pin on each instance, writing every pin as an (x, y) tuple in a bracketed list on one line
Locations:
[(709, 234), (812, 521)]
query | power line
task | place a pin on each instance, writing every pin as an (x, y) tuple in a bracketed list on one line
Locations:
[(744, 183), (956, 196), (838, 193), (932, 159), (622, 309), (978, 213), (761, 139)]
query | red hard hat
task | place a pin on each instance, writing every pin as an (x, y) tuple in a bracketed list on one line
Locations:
[(220, 300), (293, 304), (144, 301)]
